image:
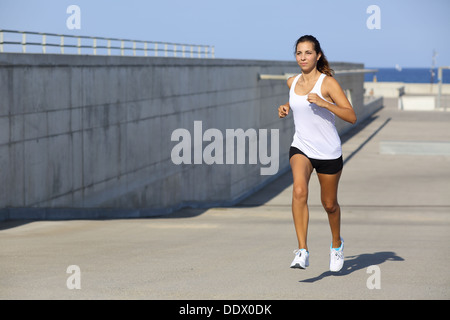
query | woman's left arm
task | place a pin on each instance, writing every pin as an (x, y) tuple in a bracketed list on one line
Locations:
[(341, 107)]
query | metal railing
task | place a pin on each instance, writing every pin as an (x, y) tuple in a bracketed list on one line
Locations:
[(10, 40)]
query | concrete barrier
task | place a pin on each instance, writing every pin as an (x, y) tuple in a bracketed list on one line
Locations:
[(411, 96), (391, 89), (417, 103), (90, 136)]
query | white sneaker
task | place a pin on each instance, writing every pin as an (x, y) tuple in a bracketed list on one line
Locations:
[(301, 259), (337, 257)]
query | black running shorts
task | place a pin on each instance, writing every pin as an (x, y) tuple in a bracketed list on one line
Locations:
[(321, 166)]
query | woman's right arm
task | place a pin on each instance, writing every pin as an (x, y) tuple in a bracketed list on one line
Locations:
[(283, 110)]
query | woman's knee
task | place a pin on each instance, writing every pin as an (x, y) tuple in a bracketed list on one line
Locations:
[(300, 192), (330, 206)]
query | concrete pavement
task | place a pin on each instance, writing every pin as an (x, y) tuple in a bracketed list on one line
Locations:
[(396, 217)]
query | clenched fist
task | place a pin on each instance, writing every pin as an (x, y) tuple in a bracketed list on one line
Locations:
[(283, 110), (314, 98)]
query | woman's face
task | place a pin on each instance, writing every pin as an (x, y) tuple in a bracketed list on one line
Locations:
[(306, 56)]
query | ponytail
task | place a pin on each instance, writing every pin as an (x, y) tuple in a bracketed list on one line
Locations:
[(324, 67)]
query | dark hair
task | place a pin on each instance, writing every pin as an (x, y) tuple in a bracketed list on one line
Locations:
[(322, 65)]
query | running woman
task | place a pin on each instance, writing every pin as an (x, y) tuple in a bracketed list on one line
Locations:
[(315, 98)]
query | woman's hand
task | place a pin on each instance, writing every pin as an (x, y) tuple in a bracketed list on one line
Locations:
[(314, 98), (283, 110)]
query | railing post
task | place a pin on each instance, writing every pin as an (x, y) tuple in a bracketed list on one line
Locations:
[(95, 46), (109, 47), (145, 48), (440, 80), (79, 45), (439, 88), (62, 45), (43, 44), (24, 42), (121, 47), (134, 48)]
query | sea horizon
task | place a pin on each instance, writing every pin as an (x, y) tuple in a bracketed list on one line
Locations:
[(407, 75)]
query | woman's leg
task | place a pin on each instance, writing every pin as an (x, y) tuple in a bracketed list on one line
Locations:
[(329, 189), (301, 172)]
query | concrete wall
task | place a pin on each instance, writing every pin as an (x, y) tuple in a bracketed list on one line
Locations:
[(90, 136)]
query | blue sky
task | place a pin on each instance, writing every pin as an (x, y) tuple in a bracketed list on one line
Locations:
[(262, 29)]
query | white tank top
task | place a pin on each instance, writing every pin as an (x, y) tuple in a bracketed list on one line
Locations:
[(315, 130)]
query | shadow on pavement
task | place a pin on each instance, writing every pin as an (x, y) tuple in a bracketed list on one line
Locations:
[(358, 262), (9, 224)]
